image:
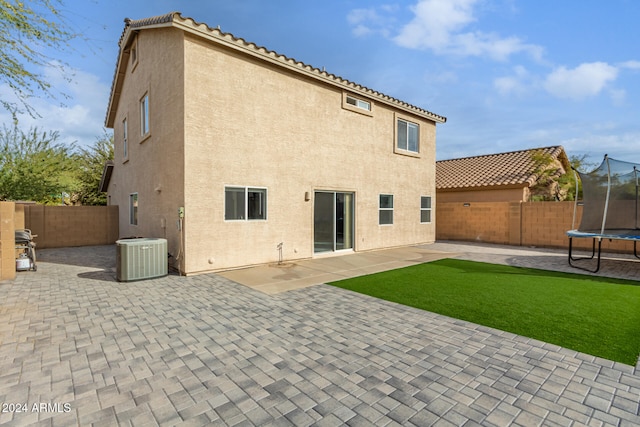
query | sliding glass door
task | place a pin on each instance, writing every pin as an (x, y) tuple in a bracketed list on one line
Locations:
[(333, 219)]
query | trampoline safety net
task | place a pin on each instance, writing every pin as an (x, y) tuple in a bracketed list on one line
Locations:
[(610, 198)]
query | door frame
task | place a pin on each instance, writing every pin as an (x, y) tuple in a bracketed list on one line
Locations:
[(334, 231)]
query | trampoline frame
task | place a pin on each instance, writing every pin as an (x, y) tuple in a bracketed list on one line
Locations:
[(627, 234), (599, 237)]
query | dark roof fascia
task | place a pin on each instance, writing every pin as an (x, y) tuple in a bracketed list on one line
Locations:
[(107, 171)]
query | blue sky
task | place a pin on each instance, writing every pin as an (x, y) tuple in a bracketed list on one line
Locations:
[(507, 74)]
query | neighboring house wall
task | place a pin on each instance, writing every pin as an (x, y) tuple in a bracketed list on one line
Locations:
[(223, 118)]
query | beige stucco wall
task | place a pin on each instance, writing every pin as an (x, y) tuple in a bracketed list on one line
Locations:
[(154, 167), (253, 125), (225, 119)]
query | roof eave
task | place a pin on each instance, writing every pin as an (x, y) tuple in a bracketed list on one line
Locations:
[(175, 19), (121, 64), (238, 44)]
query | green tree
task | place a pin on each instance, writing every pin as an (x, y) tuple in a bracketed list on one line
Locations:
[(90, 163), (549, 180), (553, 185), (580, 163), (27, 30), (34, 166)]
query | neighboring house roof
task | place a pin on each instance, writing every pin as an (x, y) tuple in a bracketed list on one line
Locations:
[(512, 169), (175, 19)]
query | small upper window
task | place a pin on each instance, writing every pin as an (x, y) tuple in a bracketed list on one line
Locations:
[(359, 103), (133, 54), (125, 139), (408, 136), (144, 114), (356, 104)]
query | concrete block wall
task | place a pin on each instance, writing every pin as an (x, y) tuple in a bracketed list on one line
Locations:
[(476, 221), (63, 226), (7, 241), (544, 224), (539, 224)]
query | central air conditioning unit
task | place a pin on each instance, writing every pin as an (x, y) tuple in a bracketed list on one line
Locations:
[(141, 258)]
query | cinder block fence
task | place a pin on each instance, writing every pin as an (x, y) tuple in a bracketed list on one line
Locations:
[(64, 226), (56, 227), (539, 224)]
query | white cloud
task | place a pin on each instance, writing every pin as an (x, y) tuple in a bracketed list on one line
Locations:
[(514, 84), (622, 146), (438, 25), (440, 77), (632, 65), (618, 97), (586, 80), (372, 21), (79, 117), (434, 22)]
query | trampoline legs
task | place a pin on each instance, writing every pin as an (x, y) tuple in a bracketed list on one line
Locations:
[(593, 253)]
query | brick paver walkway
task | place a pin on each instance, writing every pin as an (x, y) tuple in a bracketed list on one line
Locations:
[(205, 351)]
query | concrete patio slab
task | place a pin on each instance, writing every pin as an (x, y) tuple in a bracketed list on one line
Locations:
[(275, 278)]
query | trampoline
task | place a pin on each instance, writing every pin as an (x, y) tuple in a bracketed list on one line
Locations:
[(610, 209)]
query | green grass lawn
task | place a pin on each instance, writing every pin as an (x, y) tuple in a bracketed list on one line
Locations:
[(593, 315)]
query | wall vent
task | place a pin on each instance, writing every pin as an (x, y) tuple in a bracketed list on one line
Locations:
[(142, 258)]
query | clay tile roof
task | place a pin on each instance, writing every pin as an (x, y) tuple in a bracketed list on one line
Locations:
[(203, 30), (515, 168)]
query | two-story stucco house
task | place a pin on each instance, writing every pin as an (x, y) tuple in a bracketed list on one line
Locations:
[(228, 150)]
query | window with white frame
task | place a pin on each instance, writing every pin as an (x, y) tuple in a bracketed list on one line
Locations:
[(408, 136), (358, 103), (425, 209), (125, 139), (144, 114), (245, 203), (385, 209), (133, 208)]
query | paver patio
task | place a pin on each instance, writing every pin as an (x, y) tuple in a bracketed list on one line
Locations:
[(205, 350)]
